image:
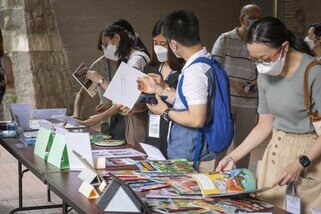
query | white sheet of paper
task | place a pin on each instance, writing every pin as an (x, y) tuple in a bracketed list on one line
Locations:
[(22, 110), (152, 152), (123, 87), (47, 113), (80, 142)]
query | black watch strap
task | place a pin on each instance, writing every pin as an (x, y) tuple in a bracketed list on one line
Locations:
[(304, 161), (165, 114)]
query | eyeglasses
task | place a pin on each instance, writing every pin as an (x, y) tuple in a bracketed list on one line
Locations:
[(266, 61)]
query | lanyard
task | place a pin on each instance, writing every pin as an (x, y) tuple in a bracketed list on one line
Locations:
[(108, 63), (160, 71)]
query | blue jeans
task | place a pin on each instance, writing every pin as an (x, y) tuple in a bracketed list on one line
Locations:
[(182, 143)]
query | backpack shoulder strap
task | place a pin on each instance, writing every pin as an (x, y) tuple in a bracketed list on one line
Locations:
[(307, 95), (180, 82)]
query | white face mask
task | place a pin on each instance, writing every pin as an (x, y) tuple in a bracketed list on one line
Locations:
[(161, 53), (272, 68), (251, 22), (109, 52), (310, 42), (176, 54)]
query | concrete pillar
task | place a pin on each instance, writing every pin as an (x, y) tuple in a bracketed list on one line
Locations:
[(39, 63)]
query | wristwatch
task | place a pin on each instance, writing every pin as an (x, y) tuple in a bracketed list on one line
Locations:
[(304, 161), (165, 114), (100, 81)]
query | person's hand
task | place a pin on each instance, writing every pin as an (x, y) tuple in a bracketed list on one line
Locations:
[(239, 88), (290, 174), (102, 107), (126, 110), (75, 115), (226, 164), (158, 79), (159, 108), (93, 120), (94, 76), (148, 85)]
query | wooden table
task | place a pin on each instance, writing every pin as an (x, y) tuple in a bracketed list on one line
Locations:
[(63, 183)]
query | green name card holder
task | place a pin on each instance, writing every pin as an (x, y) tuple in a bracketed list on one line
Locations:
[(58, 155), (43, 143)]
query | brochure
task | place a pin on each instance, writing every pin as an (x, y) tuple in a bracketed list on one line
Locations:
[(120, 162), (218, 183), (117, 153), (177, 166), (210, 205), (87, 84)]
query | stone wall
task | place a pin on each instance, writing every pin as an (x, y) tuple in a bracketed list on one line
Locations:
[(39, 64)]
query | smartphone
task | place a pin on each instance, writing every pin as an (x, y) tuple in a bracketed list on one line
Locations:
[(151, 99)]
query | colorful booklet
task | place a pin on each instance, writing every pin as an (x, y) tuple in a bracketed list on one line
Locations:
[(175, 166), (120, 162), (236, 181), (209, 205), (117, 153), (184, 185)]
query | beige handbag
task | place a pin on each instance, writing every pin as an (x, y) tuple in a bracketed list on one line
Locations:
[(314, 116)]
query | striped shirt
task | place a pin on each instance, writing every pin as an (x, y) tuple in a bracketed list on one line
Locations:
[(231, 52)]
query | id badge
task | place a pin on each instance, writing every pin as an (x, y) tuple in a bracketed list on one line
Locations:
[(317, 127), (292, 201), (154, 125)]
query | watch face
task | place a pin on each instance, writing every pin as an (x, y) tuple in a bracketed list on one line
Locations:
[(304, 160)]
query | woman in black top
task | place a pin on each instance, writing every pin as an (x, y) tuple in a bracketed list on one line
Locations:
[(158, 68)]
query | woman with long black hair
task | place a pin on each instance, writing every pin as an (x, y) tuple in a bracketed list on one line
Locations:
[(120, 45), (293, 155)]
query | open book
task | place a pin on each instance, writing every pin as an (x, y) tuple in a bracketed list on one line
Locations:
[(234, 182)]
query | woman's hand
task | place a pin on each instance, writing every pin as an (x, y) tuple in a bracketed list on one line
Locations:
[(102, 107), (159, 108), (226, 164), (148, 85), (290, 174), (93, 76), (158, 79), (93, 120), (126, 110)]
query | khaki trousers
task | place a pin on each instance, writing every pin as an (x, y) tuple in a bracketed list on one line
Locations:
[(282, 150)]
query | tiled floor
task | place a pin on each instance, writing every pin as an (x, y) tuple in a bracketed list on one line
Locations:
[(35, 192)]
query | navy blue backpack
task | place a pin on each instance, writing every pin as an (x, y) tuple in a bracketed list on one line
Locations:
[(219, 131)]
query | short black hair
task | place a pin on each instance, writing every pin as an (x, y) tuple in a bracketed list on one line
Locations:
[(183, 27)]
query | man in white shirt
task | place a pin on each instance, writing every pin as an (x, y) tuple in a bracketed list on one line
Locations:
[(231, 52), (181, 28)]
